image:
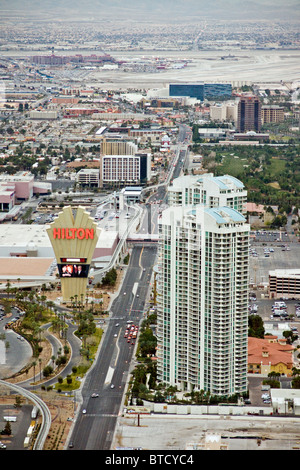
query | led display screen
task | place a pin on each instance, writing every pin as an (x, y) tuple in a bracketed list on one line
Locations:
[(73, 270)]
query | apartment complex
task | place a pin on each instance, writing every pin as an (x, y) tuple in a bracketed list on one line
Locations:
[(209, 190), (202, 321), (249, 114)]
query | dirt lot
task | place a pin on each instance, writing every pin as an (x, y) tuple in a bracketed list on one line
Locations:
[(61, 408)]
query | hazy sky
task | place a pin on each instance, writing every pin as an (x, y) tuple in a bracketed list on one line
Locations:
[(162, 10)]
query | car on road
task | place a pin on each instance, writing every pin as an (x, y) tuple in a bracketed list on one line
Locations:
[(84, 411), (95, 395), (112, 386)]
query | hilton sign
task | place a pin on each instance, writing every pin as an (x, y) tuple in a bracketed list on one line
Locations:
[(74, 241), (72, 233)]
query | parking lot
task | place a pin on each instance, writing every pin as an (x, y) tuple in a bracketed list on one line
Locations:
[(19, 427), (284, 250)]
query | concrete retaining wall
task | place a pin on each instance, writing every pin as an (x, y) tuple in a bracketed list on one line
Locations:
[(225, 410)]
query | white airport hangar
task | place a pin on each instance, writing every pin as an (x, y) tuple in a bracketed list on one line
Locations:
[(27, 256)]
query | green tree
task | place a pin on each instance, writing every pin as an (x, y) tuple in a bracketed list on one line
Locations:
[(7, 429), (256, 326)]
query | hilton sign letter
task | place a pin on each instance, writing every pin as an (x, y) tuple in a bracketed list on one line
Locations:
[(71, 233)]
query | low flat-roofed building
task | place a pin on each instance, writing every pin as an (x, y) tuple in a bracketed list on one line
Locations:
[(24, 270), (88, 177), (23, 183), (285, 401), (7, 198), (18, 240), (284, 283), (41, 187), (255, 208), (251, 135), (130, 194), (210, 133), (47, 115), (276, 329)]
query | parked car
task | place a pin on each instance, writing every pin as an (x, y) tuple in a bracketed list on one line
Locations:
[(265, 396)]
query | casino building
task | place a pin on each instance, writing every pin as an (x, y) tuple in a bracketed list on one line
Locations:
[(27, 256)]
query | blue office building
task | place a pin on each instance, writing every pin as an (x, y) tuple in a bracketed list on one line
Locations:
[(217, 90), (201, 91), (192, 90)]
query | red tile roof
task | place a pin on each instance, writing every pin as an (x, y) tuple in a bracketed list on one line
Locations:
[(262, 351)]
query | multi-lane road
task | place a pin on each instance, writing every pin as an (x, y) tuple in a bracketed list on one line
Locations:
[(95, 424)]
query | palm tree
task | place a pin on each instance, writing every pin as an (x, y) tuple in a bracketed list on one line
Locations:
[(34, 364), (40, 362), (8, 288)]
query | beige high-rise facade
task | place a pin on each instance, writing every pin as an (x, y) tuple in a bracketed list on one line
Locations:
[(272, 114), (118, 147)]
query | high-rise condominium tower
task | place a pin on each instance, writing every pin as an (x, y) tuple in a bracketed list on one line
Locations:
[(202, 324), (209, 190)]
